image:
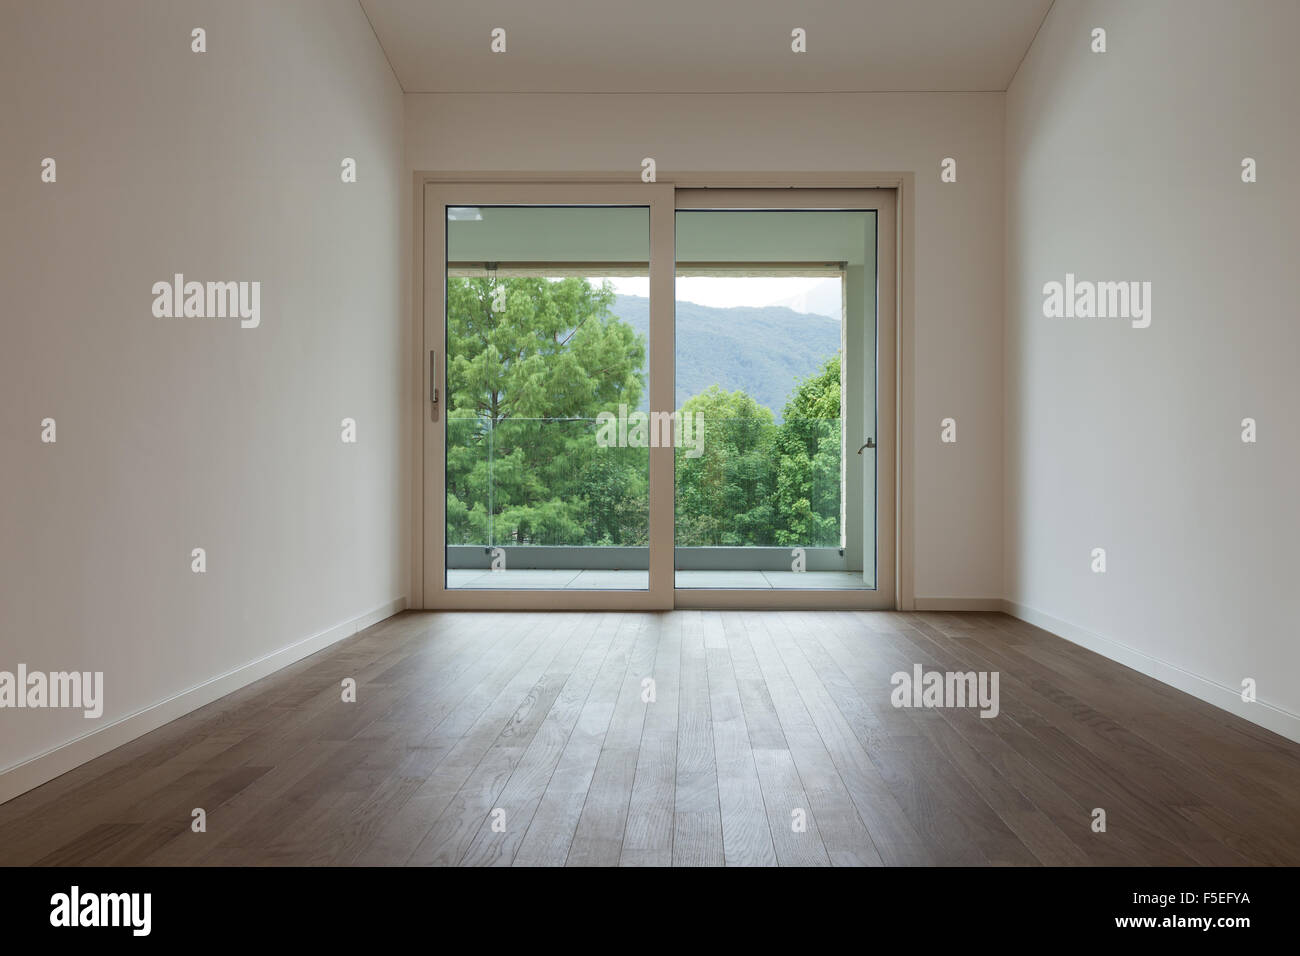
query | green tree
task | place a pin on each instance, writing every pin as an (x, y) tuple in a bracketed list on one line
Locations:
[(524, 382), (724, 495), (808, 456)]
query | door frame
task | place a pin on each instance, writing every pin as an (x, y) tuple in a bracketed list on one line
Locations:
[(894, 585), (659, 198), (885, 431)]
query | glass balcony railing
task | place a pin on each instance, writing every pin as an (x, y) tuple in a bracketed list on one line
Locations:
[(758, 483), (544, 481), (585, 483)]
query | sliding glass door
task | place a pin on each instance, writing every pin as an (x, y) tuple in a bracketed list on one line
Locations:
[(775, 352), (546, 383), (543, 459), (637, 397)]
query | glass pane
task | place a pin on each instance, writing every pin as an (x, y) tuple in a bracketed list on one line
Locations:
[(775, 381), (544, 360)]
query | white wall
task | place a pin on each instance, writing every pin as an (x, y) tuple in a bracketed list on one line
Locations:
[(182, 433), (1126, 165), (957, 252)]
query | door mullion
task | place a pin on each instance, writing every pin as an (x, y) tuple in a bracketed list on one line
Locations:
[(662, 389)]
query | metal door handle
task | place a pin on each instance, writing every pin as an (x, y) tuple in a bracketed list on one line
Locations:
[(433, 377), (870, 443)]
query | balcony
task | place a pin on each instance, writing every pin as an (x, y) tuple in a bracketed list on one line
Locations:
[(563, 503)]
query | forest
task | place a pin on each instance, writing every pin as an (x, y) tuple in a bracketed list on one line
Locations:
[(532, 362)]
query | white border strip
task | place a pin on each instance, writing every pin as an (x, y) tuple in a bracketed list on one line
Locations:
[(1269, 716), (34, 771)]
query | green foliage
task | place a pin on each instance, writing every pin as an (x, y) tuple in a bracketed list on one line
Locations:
[(553, 352), (808, 462), (759, 483), (525, 384), (722, 495)]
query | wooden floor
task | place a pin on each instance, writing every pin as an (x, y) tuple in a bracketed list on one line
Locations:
[(524, 739)]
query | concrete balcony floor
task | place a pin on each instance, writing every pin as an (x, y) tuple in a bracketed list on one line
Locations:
[(600, 580)]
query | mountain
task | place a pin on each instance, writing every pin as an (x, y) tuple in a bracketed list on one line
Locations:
[(763, 351)]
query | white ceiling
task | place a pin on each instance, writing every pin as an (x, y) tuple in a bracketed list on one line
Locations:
[(633, 46)]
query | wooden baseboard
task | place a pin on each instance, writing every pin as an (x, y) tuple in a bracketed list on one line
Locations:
[(44, 767)]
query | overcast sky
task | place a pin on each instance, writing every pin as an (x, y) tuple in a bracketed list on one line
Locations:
[(803, 294)]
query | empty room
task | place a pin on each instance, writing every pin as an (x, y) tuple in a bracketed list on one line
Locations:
[(678, 435)]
